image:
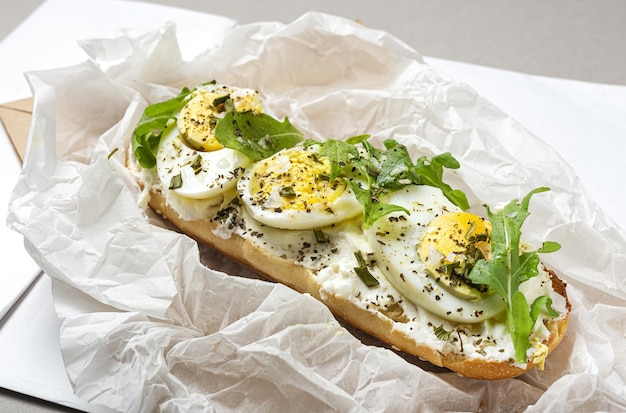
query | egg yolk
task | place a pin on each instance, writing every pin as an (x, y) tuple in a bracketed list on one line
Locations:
[(198, 117), (451, 246), (541, 352), (296, 179)]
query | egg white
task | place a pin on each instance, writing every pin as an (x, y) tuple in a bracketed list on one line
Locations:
[(271, 210), (394, 239), (203, 174)]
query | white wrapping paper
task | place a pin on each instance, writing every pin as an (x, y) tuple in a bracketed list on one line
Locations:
[(152, 322)]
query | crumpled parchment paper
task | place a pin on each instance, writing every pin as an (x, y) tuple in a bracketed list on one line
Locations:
[(151, 321)]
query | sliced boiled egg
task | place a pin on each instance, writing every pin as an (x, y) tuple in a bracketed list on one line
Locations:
[(451, 246), (197, 119), (195, 174), (418, 254), (190, 160), (292, 190)]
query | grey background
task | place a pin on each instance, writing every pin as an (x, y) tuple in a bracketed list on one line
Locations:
[(574, 39)]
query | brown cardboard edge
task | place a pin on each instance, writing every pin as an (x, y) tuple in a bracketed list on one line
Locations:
[(15, 117)]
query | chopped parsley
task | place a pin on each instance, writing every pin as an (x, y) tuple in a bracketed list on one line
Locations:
[(363, 272), (320, 237), (176, 181), (442, 333)]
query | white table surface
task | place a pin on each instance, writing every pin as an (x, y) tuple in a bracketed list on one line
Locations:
[(484, 34)]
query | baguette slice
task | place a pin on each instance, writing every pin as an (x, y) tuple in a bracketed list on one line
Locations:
[(372, 322)]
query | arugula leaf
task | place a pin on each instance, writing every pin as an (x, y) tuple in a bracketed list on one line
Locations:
[(430, 173), (396, 169), (549, 246), (395, 163), (354, 140), (340, 154), (542, 301), (372, 211), (147, 135), (520, 325), (256, 136), (509, 267), (385, 171)]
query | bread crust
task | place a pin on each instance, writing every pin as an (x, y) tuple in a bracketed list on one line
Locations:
[(374, 323)]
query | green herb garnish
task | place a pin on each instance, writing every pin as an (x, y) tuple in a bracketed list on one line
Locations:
[(176, 181), (384, 171), (155, 119), (256, 136), (287, 192), (442, 333), (373, 209), (320, 237), (196, 165), (220, 100), (363, 272), (113, 152), (509, 267)]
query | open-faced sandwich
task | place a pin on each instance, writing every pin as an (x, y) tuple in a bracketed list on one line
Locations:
[(377, 236)]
